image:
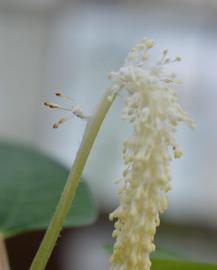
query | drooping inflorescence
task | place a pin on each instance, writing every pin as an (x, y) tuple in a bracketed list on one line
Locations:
[(152, 109)]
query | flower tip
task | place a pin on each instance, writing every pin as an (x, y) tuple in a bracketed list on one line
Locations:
[(51, 105), (149, 43), (177, 153), (56, 125)]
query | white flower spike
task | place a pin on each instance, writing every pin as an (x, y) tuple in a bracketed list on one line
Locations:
[(151, 107)]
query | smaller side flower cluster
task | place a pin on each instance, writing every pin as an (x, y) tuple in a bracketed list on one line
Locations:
[(72, 111), (152, 109)]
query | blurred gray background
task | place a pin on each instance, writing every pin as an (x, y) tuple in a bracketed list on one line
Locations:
[(49, 45)]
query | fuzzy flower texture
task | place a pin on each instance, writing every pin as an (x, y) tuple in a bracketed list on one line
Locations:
[(151, 107)]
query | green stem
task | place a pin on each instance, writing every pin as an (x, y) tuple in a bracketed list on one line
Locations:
[(4, 263), (65, 202)]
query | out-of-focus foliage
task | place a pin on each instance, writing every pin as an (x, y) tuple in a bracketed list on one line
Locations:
[(30, 186), (161, 264), (167, 260)]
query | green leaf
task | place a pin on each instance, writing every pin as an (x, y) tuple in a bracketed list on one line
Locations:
[(30, 187), (158, 264), (164, 254)]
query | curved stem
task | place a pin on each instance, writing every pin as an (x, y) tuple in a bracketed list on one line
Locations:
[(65, 202), (4, 263)]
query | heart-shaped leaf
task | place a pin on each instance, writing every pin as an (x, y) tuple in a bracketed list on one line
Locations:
[(30, 186)]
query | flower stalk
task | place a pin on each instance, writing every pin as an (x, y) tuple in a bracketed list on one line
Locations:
[(65, 202)]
